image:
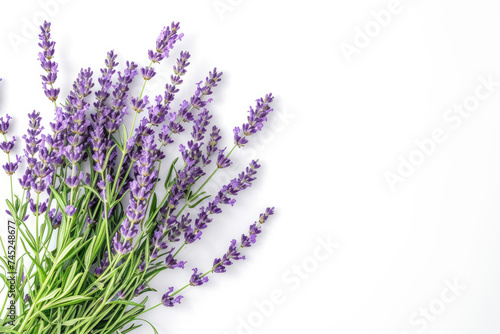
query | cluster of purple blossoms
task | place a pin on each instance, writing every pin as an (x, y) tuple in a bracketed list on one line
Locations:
[(176, 80), (219, 265), (210, 82), (100, 142), (105, 82), (140, 289), (184, 113), (243, 181), (255, 120), (10, 167), (168, 300), (39, 171), (4, 125), (57, 141), (82, 86), (211, 146), (7, 146), (47, 63), (103, 264), (197, 278), (118, 98), (168, 226), (140, 190), (55, 218), (165, 42)]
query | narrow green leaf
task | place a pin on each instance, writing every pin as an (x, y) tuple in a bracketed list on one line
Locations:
[(51, 295), (196, 204), (66, 301), (156, 332), (88, 254), (58, 198), (170, 173)]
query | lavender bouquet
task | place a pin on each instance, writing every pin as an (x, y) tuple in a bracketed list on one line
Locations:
[(91, 226)]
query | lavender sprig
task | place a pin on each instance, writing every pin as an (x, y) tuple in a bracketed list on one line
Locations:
[(48, 64)]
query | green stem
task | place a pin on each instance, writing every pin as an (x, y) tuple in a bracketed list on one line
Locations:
[(10, 176), (140, 97)]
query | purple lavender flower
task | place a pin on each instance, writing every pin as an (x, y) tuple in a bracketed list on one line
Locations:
[(40, 209), (179, 71), (47, 64), (224, 196), (255, 120), (168, 300), (55, 218), (178, 227), (141, 267), (39, 185), (210, 82), (121, 247), (70, 210), (165, 42), (7, 146), (27, 180), (148, 73), (172, 263), (4, 125), (182, 63), (74, 154), (197, 279), (212, 144), (139, 290), (138, 105), (74, 181), (104, 264), (157, 242), (75, 101), (114, 115), (105, 82), (200, 124), (222, 160), (184, 112), (11, 167), (157, 112), (264, 216), (128, 231), (219, 265), (140, 190), (239, 139)]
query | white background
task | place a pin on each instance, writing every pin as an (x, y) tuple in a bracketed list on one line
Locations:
[(340, 125)]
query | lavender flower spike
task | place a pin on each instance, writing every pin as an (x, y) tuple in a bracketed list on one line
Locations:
[(4, 125), (219, 265), (256, 119), (47, 64), (168, 300), (197, 279), (11, 167)]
